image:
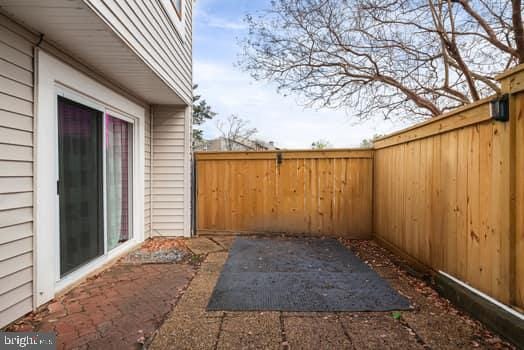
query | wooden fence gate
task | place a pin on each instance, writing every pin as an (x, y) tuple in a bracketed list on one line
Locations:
[(299, 192)]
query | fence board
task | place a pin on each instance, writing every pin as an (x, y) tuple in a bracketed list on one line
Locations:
[(518, 253), (310, 192)]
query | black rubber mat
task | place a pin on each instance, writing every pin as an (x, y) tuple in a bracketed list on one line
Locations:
[(299, 275)]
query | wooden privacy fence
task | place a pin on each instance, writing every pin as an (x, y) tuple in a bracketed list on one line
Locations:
[(450, 192), (299, 192)]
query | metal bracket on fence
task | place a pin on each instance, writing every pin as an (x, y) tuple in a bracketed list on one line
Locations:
[(279, 158), (500, 108)]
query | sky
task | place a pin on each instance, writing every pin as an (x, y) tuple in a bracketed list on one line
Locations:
[(218, 27)]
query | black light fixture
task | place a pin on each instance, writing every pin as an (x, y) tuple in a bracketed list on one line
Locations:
[(500, 108)]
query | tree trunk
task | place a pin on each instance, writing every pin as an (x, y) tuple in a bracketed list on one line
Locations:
[(518, 29)]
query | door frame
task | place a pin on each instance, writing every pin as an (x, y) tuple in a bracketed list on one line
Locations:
[(54, 77), (63, 281)]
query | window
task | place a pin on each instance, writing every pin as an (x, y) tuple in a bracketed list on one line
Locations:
[(177, 4), (174, 11)]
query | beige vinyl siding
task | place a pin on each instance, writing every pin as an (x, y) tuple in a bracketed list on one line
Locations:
[(147, 177), (16, 172), (168, 171), (147, 29)]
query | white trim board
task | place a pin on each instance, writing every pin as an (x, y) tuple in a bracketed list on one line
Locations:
[(188, 162), (484, 296), (54, 76)]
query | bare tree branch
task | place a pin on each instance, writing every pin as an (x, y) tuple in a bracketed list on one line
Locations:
[(394, 58), (235, 130)]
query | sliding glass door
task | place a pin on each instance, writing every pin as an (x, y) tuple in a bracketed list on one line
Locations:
[(88, 228), (80, 184)]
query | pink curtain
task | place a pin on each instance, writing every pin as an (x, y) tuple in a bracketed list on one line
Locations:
[(118, 179)]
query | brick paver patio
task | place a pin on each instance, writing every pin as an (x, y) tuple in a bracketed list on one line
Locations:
[(118, 309)]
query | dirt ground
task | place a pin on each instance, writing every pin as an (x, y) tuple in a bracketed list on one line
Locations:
[(432, 324)]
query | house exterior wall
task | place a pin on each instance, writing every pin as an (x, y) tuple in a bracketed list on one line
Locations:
[(16, 171), (171, 171), (18, 146), (147, 28), (57, 77), (165, 159)]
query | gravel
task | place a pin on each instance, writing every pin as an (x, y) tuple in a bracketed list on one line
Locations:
[(164, 256)]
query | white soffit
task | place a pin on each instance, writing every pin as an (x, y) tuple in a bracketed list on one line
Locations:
[(77, 30)]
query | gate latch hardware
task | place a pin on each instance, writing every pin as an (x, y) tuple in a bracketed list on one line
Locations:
[(279, 158)]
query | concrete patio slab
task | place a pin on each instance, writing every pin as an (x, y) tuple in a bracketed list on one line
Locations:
[(188, 330), (203, 246), (225, 241), (249, 331), (190, 326), (379, 331), (316, 332)]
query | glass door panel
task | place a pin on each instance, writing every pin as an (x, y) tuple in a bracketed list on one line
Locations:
[(80, 184), (119, 156)]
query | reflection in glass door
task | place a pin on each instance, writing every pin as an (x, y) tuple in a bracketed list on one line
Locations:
[(119, 156), (80, 184)]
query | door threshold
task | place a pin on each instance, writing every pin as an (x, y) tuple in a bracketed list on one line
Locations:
[(94, 267)]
